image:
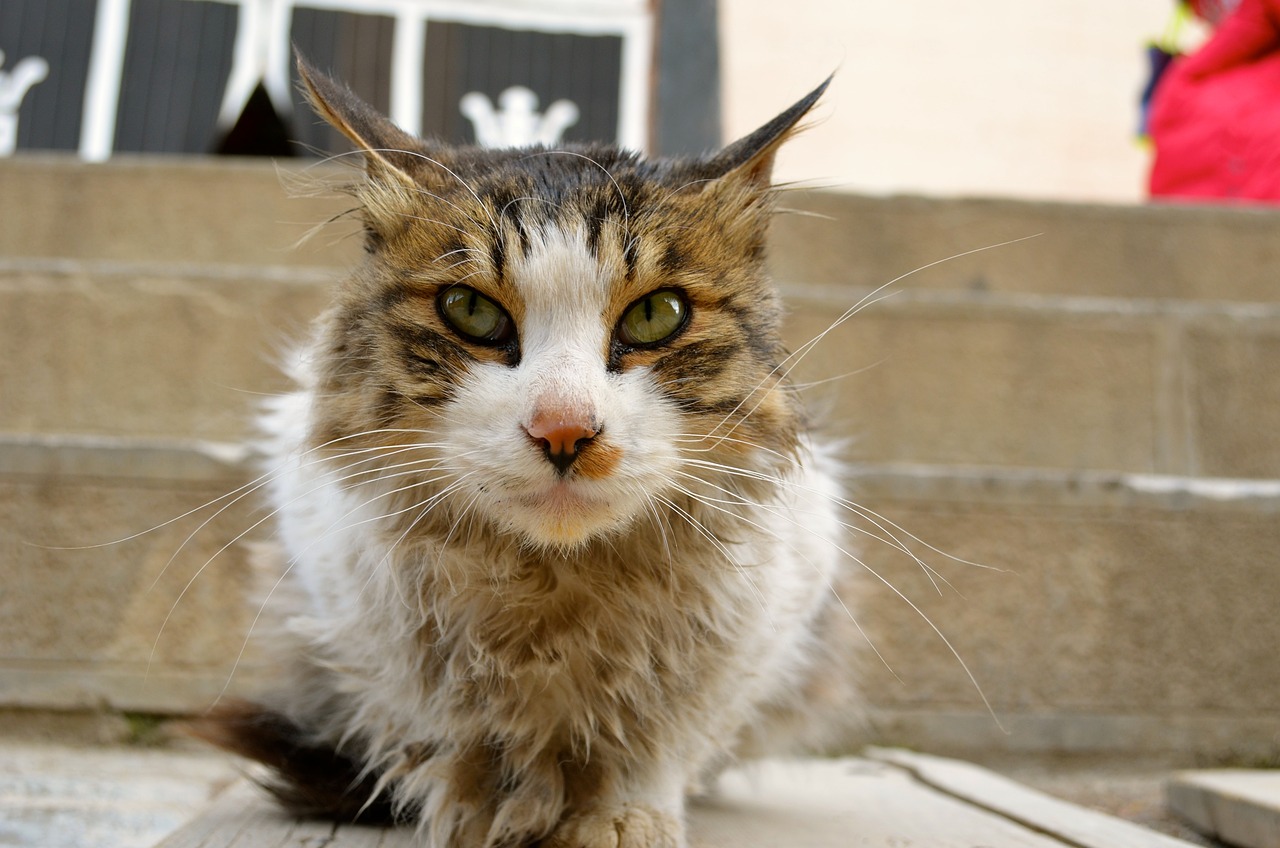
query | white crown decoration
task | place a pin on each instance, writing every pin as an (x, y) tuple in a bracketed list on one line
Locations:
[(518, 124), (14, 86)]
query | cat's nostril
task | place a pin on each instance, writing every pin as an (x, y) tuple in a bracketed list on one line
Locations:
[(560, 441)]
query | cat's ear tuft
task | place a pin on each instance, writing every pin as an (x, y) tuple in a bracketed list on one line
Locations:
[(751, 158), (386, 147)]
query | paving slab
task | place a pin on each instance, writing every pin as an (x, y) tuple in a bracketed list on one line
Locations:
[(875, 803), (61, 796), (1239, 806)]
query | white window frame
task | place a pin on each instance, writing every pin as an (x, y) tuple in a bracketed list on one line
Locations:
[(262, 53)]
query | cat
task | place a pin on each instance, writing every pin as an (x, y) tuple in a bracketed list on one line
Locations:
[(556, 544)]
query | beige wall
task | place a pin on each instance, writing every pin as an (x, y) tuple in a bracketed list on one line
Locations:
[(1015, 98)]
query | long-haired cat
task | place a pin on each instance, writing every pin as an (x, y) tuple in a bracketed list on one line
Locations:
[(555, 543)]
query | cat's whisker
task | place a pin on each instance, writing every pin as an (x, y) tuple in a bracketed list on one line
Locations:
[(915, 608), (467, 250), (874, 518), (444, 545), (888, 539), (777, 538), (233, 541), (289, 566), (719, 545), (811, 384), (424, 220), (426, 506), (805, 213), (235, 496)]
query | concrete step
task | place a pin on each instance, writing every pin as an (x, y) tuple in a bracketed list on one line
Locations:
[(200, 210), (1237, 806), (152, 350), (887, 800), (1095, 411), (1177, 252), (1122, 613), (58, 796), (146, 350), (109, 603), (172, 209)]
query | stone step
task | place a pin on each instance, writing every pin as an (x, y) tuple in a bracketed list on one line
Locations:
[(113, 599), (1120, 613), (154, 350), (1237, 806), (1177, 252), (186, 209), (889, 800), (204, 210)]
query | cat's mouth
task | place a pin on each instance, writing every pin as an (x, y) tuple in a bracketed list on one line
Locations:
[(564, 513)]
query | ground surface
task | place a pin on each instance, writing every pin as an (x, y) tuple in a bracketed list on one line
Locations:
[(78, 793), (1128, 789)]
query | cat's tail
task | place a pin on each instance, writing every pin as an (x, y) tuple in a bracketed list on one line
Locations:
[(307, 778)]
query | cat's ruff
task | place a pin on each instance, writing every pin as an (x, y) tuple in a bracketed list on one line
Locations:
[(554, 544)]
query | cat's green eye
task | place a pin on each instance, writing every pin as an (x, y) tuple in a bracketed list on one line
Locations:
[(653, 318), (474, 316)]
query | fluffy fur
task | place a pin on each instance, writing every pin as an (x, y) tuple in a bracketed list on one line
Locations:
[(510, 650)]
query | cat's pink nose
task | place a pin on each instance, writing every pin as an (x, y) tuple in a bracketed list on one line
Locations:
[(560, 439)]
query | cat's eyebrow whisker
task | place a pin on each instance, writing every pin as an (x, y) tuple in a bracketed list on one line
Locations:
[(690, 184), (788, 363), (447, 170), (449, 253), (804, 213), (622, 197), (559, 207), (464, 213), (868, 299), (456, 229)]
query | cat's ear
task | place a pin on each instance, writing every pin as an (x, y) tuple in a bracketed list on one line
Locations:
[(750, 159), (388, 149)]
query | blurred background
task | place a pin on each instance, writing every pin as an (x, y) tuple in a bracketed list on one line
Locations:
[(1022, 100), (1057, 378)]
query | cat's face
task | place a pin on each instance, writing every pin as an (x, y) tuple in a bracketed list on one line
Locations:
[(572, 338)]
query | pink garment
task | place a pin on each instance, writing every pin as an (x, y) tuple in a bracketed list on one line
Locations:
[(1215, 116)]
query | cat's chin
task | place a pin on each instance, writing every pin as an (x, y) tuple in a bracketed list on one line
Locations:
[(562, 516)]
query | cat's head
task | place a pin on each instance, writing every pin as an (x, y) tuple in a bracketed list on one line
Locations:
[(574, 339)]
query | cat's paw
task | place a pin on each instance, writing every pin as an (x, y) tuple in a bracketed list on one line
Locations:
[(624, 826)]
